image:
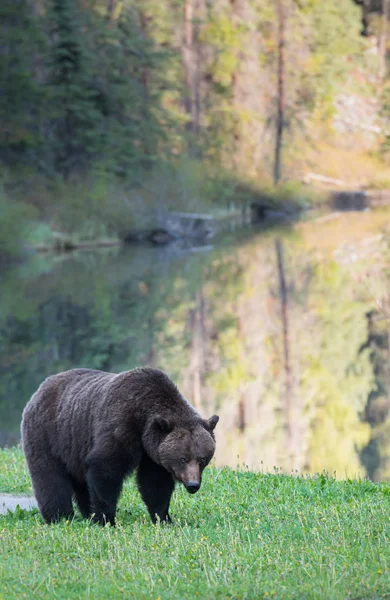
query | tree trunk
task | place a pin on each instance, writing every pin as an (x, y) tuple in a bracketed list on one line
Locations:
[(365, 12), (241, 413), (197, 349), (199, 60), (193, 61), (281, 98), (236, 143), (189, 104), (383, 38), (288, 379)]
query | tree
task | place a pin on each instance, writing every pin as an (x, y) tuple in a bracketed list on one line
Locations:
[(383, 38), (288, 393), (22, 99), (76, 117), (281, 8)]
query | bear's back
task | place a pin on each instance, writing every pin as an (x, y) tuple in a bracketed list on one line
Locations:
[(62, 414)]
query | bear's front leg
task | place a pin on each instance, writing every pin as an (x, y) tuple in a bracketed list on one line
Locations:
[(156, 486), (104, 481)]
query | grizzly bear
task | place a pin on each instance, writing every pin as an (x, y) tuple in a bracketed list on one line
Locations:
[(84, 431)]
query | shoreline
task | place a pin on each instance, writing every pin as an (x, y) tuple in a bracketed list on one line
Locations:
[(10, 502), (187, 226)]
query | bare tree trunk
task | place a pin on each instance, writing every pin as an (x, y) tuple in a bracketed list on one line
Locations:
[(242, 412), (281, 93), (235, 154), (288, 379), (189, 104), (197, 349), (200, 6), (192, 66), (383, 38), (365, 11)]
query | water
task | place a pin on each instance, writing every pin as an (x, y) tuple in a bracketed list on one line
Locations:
[(10, 502), (300, 378)]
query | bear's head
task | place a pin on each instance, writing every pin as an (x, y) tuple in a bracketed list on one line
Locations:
[(185, 452)]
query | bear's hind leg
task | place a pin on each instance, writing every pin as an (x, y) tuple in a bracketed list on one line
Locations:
[(53, 490), (156, 486), (82, 498)]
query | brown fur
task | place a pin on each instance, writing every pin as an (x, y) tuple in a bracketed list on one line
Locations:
[(84, 431)]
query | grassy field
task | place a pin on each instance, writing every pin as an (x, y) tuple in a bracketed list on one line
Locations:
[(244, 535)]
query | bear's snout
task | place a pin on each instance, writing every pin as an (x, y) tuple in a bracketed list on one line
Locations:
[(191, 476), (192, 487)]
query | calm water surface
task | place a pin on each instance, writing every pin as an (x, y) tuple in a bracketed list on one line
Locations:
[(283, 333)]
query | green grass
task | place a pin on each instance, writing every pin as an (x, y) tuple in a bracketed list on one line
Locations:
[(244, 535)]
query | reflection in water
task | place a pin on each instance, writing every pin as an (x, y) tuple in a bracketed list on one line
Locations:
[(279, 333)]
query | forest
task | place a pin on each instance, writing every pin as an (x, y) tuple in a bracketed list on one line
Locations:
[(113, 109)]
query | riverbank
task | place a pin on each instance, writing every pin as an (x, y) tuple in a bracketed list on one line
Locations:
[(39, 216), (244, 535), (197, 229), (90, 214)]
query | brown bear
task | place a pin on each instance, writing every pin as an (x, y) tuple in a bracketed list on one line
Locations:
[(84, 431)]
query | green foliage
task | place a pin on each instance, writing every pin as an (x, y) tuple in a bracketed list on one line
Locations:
[(14, 224), (224, 37), (332, 53), (21, 100), (75, 116), (80, 92), (92, 208), (243, 535)]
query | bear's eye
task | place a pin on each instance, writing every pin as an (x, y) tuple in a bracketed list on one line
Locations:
[(202, 461), (183, 461)]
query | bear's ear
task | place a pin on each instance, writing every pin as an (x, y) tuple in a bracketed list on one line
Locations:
[(211, 423), (163, 424)]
